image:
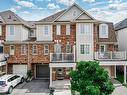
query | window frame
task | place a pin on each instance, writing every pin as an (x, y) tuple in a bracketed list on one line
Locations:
[(102, 33), (46, 30), (82, 49), (11, 50), (46, 49), (22, 48), (10, 26), (58, 29), (68, 29), (68, 49), (34, 49)]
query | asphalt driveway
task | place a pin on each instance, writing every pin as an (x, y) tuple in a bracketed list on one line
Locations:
[(35, 87)]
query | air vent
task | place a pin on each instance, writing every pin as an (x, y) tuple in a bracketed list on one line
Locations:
[(9, 17)]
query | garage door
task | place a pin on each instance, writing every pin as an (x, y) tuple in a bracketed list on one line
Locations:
[(20, 69), (42, 71)]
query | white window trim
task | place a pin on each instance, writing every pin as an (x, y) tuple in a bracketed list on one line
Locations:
[(46, 27), (85, 51), (58, 29), (101, 35), (33, 49), (10, 32), (46, 49), (22, 46), (68, 30), (11, 49), (84, 29)]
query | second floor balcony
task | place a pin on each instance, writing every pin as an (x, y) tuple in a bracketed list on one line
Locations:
[(116, 55), (62, 57)]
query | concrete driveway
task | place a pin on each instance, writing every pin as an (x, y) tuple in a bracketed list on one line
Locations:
[(35, 87)]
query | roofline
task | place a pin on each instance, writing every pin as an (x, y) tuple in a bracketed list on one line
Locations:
[(69, 9)]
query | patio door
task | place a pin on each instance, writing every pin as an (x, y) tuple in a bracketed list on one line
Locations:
[(57, 48)]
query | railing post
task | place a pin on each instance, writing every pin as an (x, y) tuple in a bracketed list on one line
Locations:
[(111, 55), (50, 57), (63, 57)]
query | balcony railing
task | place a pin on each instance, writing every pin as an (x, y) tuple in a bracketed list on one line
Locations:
[(62, 57), (117, 55)]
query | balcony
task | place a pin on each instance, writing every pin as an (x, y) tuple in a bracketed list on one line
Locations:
[(117, 55), (62, 57)]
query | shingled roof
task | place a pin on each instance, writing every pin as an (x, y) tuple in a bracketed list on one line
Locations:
[(52, 17), (10, 17), (122, 24)]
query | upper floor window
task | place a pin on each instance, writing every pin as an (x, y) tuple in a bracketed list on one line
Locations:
[(103, 31), (46, 30), (0, 30), (12, 49), (68, 29), (58, 29), (11, 27), (84, 28), (23, 49), (46, 49), (68, 48), (34, 49)]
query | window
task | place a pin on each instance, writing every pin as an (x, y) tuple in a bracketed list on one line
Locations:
[(82, 49), (0, 30), (84, 28), (23, 49), (85, 49), (12, 50), (11, 30), (58, 30), (68, 29), (46, 30), (1, 48), (103, 31), (34, 49), (46, 49), (68, 48)]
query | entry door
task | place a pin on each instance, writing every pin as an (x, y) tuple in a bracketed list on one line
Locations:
[(42, 71), (57, 48)]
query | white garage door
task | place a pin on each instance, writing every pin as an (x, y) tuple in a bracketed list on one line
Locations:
[(20, 69)]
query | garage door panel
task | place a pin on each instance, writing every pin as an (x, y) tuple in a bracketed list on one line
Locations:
[(20, 69), (42, 71)]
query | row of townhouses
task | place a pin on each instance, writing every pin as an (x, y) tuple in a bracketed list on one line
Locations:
[(51, 46)]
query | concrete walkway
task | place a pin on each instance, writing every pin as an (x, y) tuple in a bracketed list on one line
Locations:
[(120, 90)]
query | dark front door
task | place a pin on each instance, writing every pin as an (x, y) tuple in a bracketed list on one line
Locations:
[(42, 71)]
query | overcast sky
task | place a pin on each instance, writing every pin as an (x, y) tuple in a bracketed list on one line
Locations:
[(106, 10)]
